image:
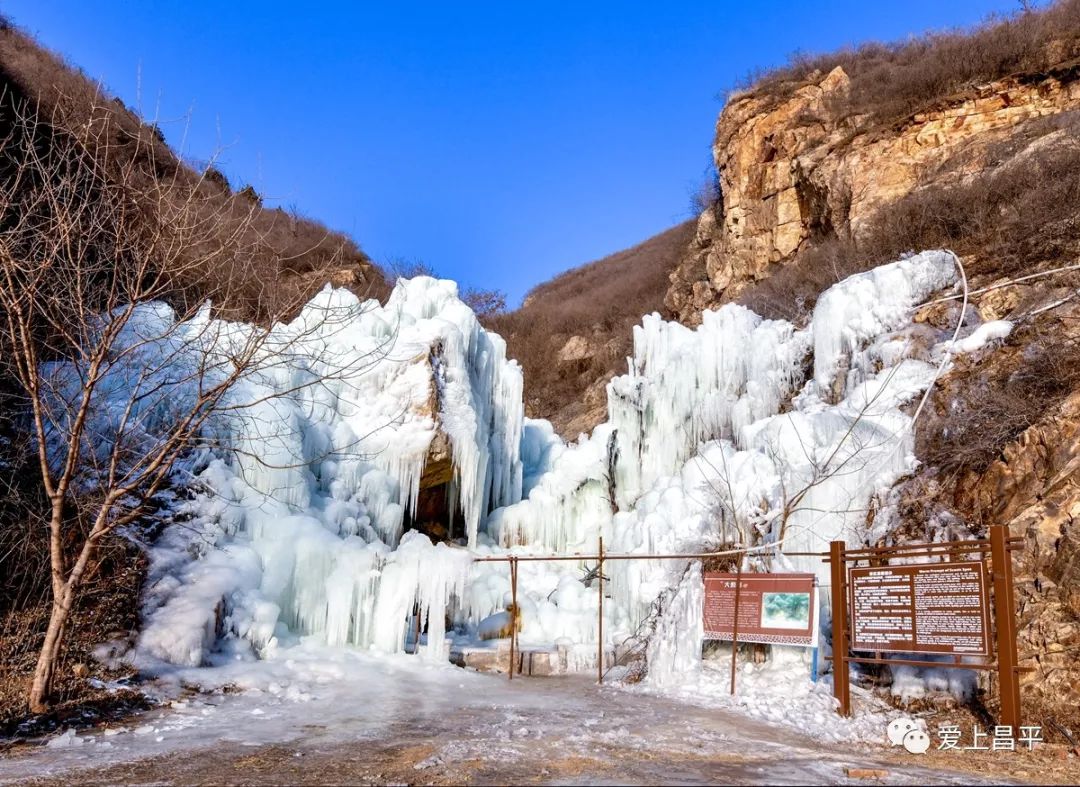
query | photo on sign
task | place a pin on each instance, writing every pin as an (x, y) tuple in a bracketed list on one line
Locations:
[(785, 610)]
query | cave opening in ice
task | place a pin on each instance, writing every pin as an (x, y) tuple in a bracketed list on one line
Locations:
[(387, 482)]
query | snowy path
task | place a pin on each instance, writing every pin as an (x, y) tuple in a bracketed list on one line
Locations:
[(407, 725)]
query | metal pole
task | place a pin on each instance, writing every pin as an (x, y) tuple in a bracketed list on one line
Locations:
[(1005, 620), (841, 677), (600, 616), (513, 614), (735, 620), (631, 556)]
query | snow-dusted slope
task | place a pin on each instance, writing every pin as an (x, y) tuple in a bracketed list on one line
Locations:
[(742, 431)]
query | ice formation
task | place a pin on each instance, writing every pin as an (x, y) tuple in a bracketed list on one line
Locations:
[(981, 336), (697, 451), (742, 431), (300, 518)]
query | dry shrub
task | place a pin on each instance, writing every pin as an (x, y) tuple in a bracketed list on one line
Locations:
[(791, 290), (709, 195), (106, 609), (1004, 221), (485, 303), (974, 429), (890, 81), (601, 301)]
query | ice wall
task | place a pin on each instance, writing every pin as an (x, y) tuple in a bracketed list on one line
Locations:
[(720, 435), (743, 431), (298, 518)]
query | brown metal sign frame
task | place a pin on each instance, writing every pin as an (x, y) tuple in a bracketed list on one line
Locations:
[(997, 549), (911, 573), (756, 586)]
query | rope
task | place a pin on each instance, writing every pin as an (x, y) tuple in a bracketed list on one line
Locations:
[(947, 355), (1001, 284)]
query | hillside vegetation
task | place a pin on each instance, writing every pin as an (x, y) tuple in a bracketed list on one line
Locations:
[(120, 188), (283, 253), (892, 80), (599, 303)]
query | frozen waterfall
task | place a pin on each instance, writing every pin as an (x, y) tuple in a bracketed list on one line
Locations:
[(741, 431)]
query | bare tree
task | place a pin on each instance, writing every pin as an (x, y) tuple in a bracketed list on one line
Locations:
[(485, 303), (107, 268), (744, 522)]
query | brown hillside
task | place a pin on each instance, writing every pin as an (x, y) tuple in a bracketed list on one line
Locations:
[(275, 259), (573, 333), (284, 255), (891, 80)]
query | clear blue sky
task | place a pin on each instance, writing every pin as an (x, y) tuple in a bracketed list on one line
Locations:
[(500, 143)]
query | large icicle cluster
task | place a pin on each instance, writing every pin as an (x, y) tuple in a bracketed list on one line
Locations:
[(717, 435), (300, 519), (696, 385)]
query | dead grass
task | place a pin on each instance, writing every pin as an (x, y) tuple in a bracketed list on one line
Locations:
[(108, 609), (283, 254), (601, 301), (1001, 404), (891, 81)]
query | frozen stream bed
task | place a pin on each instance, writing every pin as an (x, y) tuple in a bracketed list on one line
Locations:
[(378, 720)]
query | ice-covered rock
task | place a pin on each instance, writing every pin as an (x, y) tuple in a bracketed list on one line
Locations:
[(742, 431)]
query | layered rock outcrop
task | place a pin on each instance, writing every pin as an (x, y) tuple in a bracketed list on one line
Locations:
[(799, 168), (795, 169)]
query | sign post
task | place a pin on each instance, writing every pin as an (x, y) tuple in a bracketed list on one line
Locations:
[(941, 607), (841, 676), (774, 609), (1004, 612), (920, 608), (735, 621)]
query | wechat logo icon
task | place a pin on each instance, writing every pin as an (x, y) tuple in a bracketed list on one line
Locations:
[(905, 732)]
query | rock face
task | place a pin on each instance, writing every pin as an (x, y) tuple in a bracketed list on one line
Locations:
[(576, 350), (798, 168), (1034, 490), (436, 506)]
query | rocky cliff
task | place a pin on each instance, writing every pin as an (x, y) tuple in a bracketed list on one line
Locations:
[(980, 170), (798, 170)]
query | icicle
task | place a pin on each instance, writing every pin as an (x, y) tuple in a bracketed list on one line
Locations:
[(708, 437)]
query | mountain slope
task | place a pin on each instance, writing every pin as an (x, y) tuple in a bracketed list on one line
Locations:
[(287, 255), (573, 333), (965, 141)]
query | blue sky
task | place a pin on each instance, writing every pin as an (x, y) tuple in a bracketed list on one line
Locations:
[(499, 142)]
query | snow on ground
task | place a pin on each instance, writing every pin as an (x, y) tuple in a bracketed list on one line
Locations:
[(782, 695), (346, 717), (346, 694), (291, 552), (981, 336)]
